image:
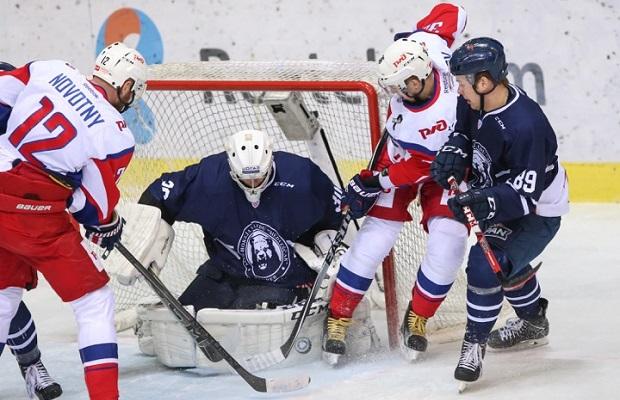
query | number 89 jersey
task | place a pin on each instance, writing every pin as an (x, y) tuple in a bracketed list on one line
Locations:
[(63, 123)]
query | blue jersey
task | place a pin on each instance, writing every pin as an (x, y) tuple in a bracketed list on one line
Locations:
[(514, 152), (247, 242)]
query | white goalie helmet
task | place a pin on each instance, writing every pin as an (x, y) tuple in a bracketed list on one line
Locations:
[(117, 63), (403, 59), (250, 157)]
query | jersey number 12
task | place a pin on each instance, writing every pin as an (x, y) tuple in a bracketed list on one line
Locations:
[(57, 119)]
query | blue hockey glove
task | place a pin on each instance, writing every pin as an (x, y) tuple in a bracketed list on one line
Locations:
[(452, 159), (481, 202), (105, 236), (362, 193)]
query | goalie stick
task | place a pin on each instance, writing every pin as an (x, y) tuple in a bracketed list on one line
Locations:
[(507, 284), (207, 343), (268, 359)]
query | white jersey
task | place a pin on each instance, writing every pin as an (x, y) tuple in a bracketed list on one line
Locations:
[(62, 123), (437, 49), (417, 132)]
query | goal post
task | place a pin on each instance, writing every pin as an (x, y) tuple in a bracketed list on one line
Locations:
[(190, 109)]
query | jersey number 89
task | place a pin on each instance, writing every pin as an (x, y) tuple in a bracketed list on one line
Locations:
[(526, 180)]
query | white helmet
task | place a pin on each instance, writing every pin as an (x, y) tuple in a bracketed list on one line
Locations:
[(250, 157), (117, 63), (403, 59)]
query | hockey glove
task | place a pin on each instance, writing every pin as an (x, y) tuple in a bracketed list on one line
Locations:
[(362, 193), (105, 236), (480, 201), (452, 159)]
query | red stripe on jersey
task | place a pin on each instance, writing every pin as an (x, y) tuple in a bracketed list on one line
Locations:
[(411, 171), (21, 73), (111, 170)]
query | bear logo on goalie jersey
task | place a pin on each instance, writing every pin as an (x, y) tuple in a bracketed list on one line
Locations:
[(265, 254)]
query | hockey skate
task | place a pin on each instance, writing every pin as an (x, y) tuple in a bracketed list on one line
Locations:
[(469, 367), (521, 333), (334, 345), (413, 335), (39, 384)]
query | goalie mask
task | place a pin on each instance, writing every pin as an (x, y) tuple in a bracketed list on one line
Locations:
[(117, 63), (251, 161), (403, 59)]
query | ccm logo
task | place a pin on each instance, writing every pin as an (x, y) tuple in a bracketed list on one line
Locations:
[(30, 207), (438, 127)]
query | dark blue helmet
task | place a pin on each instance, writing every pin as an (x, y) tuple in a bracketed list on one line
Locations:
[(480, 55), (5, 66)]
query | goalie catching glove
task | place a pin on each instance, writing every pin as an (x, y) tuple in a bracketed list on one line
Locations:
[(150, 239)]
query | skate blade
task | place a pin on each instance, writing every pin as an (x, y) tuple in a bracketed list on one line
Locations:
[(410, 354), (331, 358), (527, 344), (463, 386)]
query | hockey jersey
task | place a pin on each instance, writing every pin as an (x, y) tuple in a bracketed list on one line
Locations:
[(248, 242), (63, 124), (417, 131), (514, 152)]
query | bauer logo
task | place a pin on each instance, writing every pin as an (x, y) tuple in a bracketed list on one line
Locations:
[(32, 207), (264, 253)]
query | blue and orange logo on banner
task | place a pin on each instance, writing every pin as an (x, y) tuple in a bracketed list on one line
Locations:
[(135, 29)]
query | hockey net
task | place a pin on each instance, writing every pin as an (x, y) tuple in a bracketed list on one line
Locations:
[(189, 111)]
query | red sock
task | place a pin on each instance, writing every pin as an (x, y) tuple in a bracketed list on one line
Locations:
[(102, 381), (343, 302), (422, 305)]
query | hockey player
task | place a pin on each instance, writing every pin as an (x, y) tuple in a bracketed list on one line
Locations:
[(65, 147), (518, 192), (22, 337), (421, 114), (253, 205)]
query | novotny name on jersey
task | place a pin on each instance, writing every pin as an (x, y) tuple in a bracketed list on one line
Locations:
[(77, 99)]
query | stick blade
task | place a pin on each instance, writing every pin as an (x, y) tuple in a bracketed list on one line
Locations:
[(283, 385), (520, 280), (264, 360)]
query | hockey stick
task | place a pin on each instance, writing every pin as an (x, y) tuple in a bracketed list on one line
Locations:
[(332, 160), (207, 343), (507, 284), (265, 360)]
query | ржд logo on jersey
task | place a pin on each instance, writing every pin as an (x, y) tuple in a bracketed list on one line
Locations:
[(441, 125), (264, 253)]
